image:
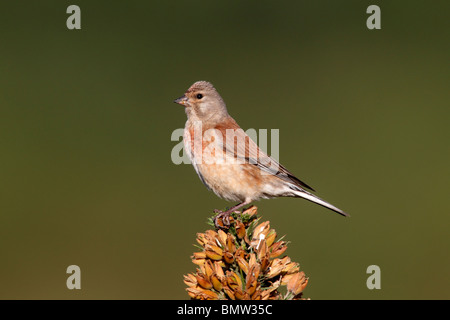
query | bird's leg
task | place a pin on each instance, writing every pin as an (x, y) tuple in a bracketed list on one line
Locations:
[(225, 215)]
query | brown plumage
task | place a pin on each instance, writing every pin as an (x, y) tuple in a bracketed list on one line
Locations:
[(227, 161)]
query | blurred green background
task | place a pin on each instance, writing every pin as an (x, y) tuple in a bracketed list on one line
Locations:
[(86, 118)]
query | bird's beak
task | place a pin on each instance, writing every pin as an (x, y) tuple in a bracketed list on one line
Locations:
[(182, 100)]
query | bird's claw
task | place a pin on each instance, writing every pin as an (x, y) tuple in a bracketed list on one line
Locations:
[(223, 220)]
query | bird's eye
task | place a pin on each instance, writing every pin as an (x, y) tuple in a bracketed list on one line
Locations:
[(199, 96)]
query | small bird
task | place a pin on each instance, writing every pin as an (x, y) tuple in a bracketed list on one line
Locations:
[(228, 161)]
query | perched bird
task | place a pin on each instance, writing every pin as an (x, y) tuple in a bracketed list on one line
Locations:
[(227, 161)]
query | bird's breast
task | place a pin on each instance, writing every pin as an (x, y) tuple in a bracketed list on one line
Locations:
[(219, 170)]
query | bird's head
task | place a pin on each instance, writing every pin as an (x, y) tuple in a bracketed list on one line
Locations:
[(203, 103)]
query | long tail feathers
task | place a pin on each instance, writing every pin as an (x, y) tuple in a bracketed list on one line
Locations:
[(309, 196)]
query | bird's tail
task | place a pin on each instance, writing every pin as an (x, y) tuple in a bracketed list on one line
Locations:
[(309, 196)]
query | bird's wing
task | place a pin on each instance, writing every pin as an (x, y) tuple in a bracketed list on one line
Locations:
[(239, 145)]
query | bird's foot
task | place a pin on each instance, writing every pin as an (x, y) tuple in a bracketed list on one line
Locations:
[(223, 219), (217, 211)]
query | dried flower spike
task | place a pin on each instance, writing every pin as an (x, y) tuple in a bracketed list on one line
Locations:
[(243, 262)]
